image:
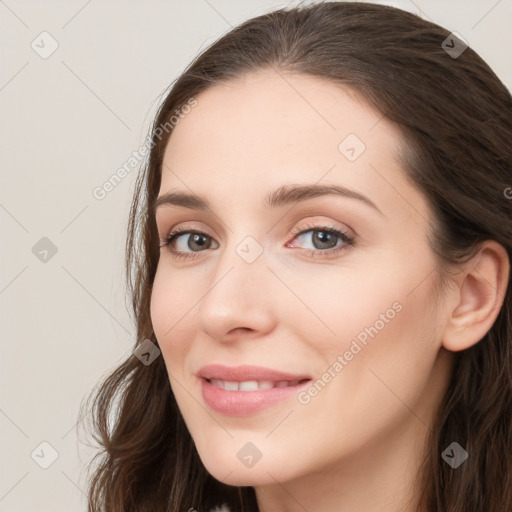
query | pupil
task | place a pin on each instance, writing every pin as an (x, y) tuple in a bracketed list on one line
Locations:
[(324, 237), (196, 240)]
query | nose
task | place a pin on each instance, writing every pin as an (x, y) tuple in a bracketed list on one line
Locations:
[(240, 300)]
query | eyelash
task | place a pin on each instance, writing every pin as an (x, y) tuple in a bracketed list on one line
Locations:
[(345, 238)]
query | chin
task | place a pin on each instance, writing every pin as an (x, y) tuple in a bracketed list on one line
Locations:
[(228, 469), (241, 477)]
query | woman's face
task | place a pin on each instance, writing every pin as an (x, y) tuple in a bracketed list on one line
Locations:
[(334, 290)]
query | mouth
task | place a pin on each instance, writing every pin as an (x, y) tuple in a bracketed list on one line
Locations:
[(245, 390), (253, 385)]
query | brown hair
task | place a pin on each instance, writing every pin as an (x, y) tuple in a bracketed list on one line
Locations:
[(455, 117)]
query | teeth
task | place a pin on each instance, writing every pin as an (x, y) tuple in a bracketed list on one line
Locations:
[(248, 385), (231, 386), (251, 385)]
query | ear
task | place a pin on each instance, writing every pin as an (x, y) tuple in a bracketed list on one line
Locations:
[(477, 298)]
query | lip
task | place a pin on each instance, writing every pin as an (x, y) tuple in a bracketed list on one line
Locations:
[(243, 403), (246, 372)]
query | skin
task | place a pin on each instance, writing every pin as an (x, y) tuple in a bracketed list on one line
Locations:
[(357, 444)]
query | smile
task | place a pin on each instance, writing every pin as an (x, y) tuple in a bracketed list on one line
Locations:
[(245, 390), (252, 385)]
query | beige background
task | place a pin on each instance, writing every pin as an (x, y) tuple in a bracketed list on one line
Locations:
[(68, 122)]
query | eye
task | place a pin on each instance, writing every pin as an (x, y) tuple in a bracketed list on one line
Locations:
[(192, 239), (326, 240)]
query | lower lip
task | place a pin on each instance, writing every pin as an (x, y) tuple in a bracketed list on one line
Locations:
[(243, 403)]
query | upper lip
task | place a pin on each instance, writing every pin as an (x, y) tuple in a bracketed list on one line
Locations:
[(247, 372)]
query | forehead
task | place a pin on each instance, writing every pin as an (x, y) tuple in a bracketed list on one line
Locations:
[(279, 110), (267, 129)]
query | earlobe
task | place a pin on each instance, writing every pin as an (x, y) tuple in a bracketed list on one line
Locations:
[(478, 297)]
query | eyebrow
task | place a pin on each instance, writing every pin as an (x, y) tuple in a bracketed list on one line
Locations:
[(284, 195)]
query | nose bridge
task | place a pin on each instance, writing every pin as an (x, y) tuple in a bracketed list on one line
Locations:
[(238, 292)]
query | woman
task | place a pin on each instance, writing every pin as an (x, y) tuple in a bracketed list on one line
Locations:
[(318, 259)]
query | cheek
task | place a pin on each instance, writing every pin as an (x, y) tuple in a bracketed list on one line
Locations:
[(169, 319), (389, 297), (159, 305), (382, 324), (335, 307), (388, 354), (169, 316)]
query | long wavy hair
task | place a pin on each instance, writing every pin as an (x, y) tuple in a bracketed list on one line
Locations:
[(455, 117)]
